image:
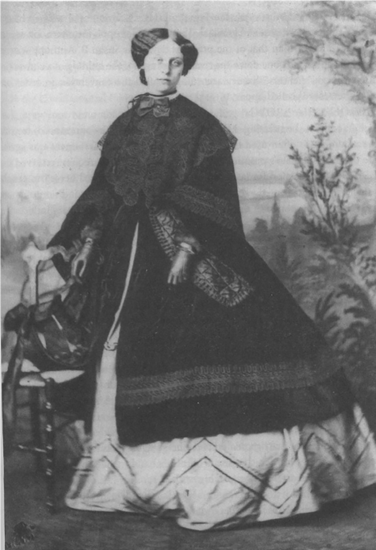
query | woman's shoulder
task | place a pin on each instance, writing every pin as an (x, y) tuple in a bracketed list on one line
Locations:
[(116, 127), (211, 126), (189, 108), (124, 118)]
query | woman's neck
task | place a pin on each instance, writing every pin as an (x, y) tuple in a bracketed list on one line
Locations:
[(170, 94)]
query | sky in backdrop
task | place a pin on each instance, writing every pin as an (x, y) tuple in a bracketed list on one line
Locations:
[(67, 74)]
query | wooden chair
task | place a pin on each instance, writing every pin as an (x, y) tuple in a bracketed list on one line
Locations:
[(42, 388)]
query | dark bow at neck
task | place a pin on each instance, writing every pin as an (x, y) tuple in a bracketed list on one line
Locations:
[(159, 105)]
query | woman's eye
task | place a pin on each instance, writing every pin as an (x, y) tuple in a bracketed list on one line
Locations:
[(177, 62)]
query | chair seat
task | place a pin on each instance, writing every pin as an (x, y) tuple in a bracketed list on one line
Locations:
[(61, 376), (32, 377), (27, 366), (37, 380), (33, 380)]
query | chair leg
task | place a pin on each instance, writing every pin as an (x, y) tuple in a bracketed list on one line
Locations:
[(35, 425), (50, 445), (9, 387)]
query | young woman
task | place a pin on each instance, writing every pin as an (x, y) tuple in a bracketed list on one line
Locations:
[(217, 400)]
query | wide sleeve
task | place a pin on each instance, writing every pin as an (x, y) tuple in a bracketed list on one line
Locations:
[(91, 216), (209, 187), (207, 205)]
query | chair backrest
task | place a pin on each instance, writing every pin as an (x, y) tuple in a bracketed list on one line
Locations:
[(33, 257)]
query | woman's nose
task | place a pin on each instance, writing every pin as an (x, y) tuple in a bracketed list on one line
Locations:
[(166, 67)]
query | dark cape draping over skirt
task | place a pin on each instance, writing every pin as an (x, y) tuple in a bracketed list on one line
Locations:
[(227, 352)]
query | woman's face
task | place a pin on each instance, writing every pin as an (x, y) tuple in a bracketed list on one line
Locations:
[(163, 67)]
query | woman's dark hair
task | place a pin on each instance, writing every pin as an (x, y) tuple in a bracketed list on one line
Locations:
[(143, 41)]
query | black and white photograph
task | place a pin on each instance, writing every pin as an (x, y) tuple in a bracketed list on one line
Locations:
[(188, 258)]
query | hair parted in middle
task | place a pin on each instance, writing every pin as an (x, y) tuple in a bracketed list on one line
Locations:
[(145, 40)]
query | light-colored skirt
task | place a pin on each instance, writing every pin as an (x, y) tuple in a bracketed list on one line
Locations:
[(221, 481)]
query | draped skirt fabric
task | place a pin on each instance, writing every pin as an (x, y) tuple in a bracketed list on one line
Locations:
[(218, 481), (225, 481)]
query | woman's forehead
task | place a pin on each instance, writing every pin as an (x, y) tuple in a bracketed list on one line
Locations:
[(166, 48)]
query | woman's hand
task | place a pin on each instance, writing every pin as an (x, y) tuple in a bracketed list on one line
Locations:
[(81, 259), (179, 269)]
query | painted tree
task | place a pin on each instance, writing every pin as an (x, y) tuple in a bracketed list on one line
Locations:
[(341, 36), (328, 180), (343, 273)]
